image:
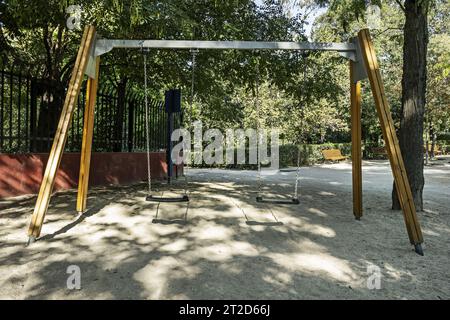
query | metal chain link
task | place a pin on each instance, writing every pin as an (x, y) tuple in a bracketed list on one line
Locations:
[(258, 129), (147, 128), (297, 177), (190, 116)]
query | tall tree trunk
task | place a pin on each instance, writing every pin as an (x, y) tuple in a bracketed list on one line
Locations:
[(51, 95), (50, 90), (413, 97)]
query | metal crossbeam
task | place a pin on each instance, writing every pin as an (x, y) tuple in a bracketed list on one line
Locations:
[(105, 45)]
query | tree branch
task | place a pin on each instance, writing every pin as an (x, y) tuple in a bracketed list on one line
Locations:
[(401, 5), (389, 29), (48, 49)]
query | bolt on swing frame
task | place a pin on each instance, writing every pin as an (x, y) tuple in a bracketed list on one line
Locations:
[(363, 64)]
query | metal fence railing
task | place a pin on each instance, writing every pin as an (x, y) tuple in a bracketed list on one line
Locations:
[(30, 110)]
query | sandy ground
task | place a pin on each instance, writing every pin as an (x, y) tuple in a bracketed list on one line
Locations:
[(223, 245)]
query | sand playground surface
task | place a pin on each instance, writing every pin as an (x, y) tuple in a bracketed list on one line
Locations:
[(225, 245)]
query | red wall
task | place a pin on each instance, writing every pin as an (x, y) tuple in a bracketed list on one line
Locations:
[(22, 174)]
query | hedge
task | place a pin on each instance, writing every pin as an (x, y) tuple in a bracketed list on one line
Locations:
[(312, 153), (309, 154), (444, 146)]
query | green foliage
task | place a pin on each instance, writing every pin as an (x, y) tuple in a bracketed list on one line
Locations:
[(438, 93), (444, 146), (444, 136), (304, 95)]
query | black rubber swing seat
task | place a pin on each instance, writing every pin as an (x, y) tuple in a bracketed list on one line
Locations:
[(151, 198), (278, 201)]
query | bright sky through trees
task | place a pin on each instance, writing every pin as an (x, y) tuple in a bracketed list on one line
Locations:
[(296, 8)]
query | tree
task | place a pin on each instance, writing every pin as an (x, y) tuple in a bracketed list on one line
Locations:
[(414, 81), (437, 114), (415, 44), (34, 34), (44, 40), (438, 95)]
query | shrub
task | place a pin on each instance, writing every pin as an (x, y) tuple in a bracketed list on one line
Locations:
[(309, 155), (444, 146)]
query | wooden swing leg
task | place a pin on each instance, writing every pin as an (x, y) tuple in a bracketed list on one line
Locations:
[(393, 149), (86, 148), (355, 95), (59, 141)]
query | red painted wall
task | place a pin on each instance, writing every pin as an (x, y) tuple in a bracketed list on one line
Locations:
[(22, 173)]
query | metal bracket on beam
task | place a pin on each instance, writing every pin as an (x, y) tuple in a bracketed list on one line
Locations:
[(91, 65), (350, 55), (358, 66), (102, 46)]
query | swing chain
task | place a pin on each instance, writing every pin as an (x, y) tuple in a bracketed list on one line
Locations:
[(297, 178), (147, 129), (258, 129), (194, 62), (194, 53)]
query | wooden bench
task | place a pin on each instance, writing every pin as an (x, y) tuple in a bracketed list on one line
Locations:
[(333, 155), (379, 152)]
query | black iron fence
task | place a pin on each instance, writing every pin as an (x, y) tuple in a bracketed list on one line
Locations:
[(30, 110)]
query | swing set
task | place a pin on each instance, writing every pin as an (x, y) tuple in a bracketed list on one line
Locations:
[(362, 64)]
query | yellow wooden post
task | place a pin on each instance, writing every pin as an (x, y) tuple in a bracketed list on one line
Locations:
[(59, 141), (88, 130), (391, 140), (355, 97)]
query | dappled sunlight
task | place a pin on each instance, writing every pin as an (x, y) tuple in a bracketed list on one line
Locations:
[(226, 251), (102, 235), (315, 229), (223, 187), (395, 274), (336, 166), (166, 230), (229, 246), (430, 233), (176, 246), (324, 193), (317, 212), (436, 229), (319, 263), (214, 232), (437, 171), (275, 277), (155, 277), (115, 211)]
